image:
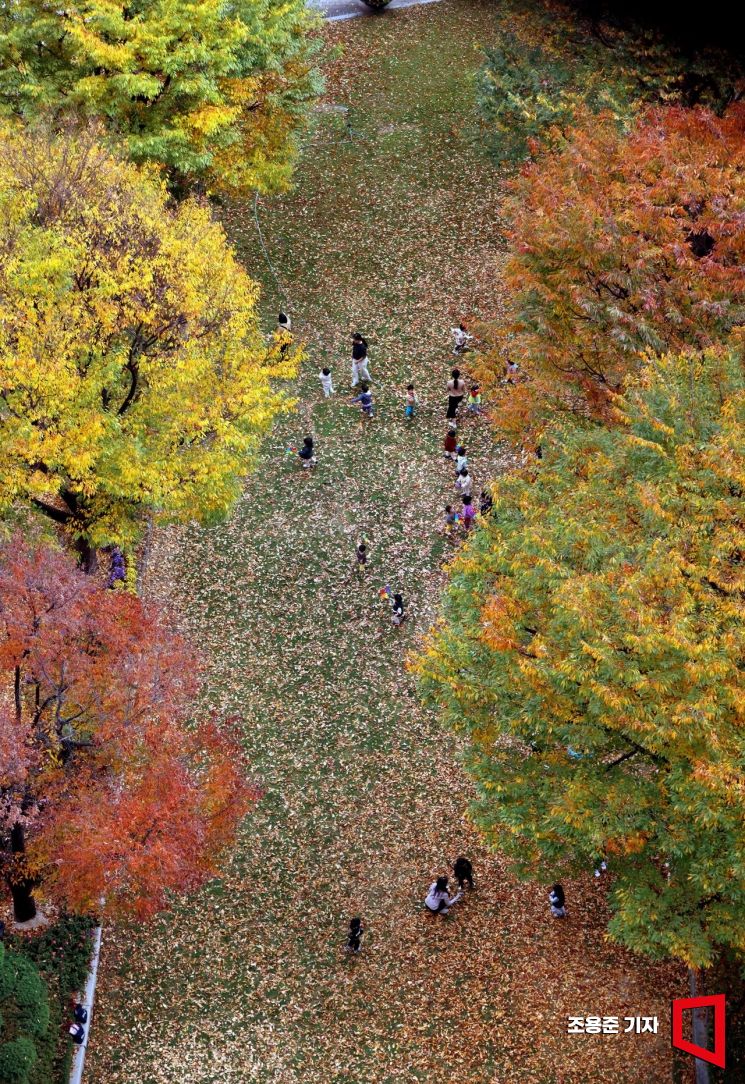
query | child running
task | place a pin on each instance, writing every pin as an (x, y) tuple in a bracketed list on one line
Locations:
[(412, 401), (326, 382), (365, 400)]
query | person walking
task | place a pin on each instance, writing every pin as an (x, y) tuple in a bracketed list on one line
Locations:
[(456, 391), (327, 382), (359, 360), (464, 483), (307, 454), (469, 514), (450, 442), (437, 900), (412, 401), (365, 400), (355, 935)]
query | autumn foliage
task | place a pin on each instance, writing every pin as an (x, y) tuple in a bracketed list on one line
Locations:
[(622, 244), (108, 789), (133, 376), (592, 648), (216, 94)]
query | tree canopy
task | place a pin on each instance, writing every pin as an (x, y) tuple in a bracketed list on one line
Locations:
[(592, 651), (532, 91), (621, 244), (108, 788), (215, 93), (133, 377)]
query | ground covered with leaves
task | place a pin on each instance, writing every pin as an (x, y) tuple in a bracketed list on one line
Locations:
[(394, 230)]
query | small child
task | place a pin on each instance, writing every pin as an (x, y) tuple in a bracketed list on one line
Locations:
[(450, 443), (464, 483), (512, 370), (463, 871), (485, 502), (557, 901), (284, 323), (469, 514), (365, 400), (397, 610), (411, 401), (355, 935), (361, 555), (451, 519), (307, 454), (474, 399), (461, 459), (461, 338), (326, 382)]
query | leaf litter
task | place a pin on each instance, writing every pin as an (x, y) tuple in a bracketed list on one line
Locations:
[(397, 234)]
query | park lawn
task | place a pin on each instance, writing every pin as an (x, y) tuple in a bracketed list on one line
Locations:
[(396, 232)]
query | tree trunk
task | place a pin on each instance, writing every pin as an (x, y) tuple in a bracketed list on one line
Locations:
[(24, 905), (87, 558)]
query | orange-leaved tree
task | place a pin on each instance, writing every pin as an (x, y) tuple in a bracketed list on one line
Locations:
[(622, 244), (108, 789)]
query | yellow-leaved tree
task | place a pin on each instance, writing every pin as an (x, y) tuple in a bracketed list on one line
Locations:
[(133, 376)]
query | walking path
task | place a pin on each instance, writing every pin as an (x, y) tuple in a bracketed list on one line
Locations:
[(337, 10), (395, 233)]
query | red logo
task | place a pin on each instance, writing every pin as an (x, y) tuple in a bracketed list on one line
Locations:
[(715, 1001)]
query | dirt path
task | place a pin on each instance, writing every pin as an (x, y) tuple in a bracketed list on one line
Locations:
[(396, 233)]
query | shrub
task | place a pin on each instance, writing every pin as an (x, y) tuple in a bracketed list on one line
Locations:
[(16, 1060)]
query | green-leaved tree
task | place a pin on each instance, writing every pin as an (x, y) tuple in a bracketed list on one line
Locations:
[(592, 649)]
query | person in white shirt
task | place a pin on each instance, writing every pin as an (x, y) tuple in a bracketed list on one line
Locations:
[(438, 901), (461, 338), (326, 382), (284, 323)]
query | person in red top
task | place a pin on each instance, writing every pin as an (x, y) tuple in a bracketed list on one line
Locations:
[(450, 443)]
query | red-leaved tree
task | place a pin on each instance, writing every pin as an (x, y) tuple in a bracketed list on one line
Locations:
[(108, 789)]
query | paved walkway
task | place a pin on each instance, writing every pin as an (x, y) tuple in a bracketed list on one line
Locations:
[(334, 10)]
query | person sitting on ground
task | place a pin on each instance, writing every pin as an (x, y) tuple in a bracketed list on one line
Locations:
[(557, 901), (355, 935), (463, 871), (307, 454), (485, 502), (361, 556), (512, 371), (438, 901)]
